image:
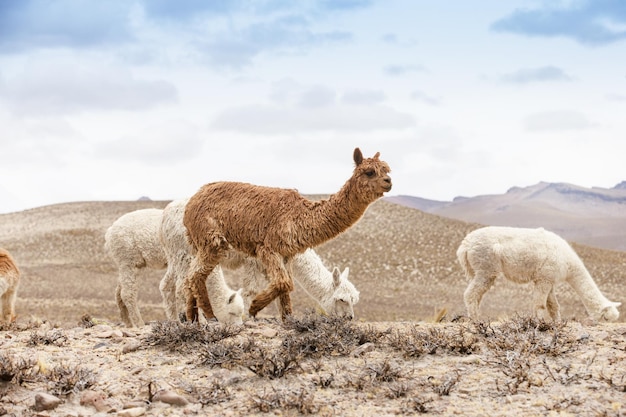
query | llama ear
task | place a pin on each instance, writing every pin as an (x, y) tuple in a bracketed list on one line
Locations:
[(346, 272), (231, 298), (377, 155), (336, 277), (617, 304), (358, 156)]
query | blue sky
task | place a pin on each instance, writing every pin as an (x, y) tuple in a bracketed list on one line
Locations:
[(114, 100)]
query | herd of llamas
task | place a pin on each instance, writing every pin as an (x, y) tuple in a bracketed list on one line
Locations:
[(271, 233)]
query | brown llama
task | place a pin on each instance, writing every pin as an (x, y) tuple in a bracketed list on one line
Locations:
[(9, 281), (273, 225)]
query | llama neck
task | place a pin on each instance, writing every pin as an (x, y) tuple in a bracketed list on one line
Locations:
[(331, 217), (582, 282), (310, 272), (218, 291)]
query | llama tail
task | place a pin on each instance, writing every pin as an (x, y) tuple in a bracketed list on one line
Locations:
[(461, 255)]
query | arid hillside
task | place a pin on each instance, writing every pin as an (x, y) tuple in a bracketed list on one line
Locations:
[(591, 216), (402, 260), (69, 355)]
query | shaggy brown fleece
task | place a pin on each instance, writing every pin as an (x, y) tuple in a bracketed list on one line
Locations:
[(9, 280), (273, 224)]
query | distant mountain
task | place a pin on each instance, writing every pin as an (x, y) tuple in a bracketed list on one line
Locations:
[(594, 216)]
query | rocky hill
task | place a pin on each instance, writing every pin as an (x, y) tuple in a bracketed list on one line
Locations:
[(592, 216)]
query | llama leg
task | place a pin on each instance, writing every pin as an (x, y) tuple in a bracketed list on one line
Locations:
[(253, 278), (4, 288), (540, 299), (207, 258), (167, 287), (474, 293), (280, 285), (128, 295), (121, 306), (553, 306), (8, 304)]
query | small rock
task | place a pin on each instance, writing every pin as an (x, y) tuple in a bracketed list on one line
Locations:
[(134, 404), (98, 400), (45, 401), (132, 412), (265, 332), (109, 334), (170, 397), (131, 345), (364, 348)]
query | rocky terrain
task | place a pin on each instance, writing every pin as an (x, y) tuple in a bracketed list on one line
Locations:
[(409, 350)]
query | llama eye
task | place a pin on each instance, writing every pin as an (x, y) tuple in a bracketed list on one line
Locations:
[(370, 173)]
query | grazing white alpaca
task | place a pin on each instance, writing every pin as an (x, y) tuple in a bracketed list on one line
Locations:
[(133, 241), (227, 305), (9, 281), (332, 290), (534, 256)]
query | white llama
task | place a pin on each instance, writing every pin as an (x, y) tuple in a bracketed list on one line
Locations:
[(133, 242), (534, 256), (332, 290)]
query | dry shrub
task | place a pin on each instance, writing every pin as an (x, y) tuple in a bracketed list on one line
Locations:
[(516, 343), (318, 335), (54, 337), (301, 400), (215, 393), (415, 342), (17, 369), (65, 380), (176, 336)]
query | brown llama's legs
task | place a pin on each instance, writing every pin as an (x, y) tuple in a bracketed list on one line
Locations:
[(280, 285), (208, 257)]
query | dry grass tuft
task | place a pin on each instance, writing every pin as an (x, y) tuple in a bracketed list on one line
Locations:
[(176, 336), (301, 399)]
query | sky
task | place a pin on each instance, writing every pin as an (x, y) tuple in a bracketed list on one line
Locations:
[(119, 99)]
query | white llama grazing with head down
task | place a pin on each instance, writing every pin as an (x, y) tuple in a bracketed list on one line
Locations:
[(332, 290), (133, 241), (534, 256), (273, 225), (9, 281)]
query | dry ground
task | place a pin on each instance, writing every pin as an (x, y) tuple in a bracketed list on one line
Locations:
[(402, 261)]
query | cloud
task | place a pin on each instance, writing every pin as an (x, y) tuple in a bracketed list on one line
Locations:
[(396, 70), (616, 97), (27, 24), (425, 98), (363, 97), (170, 142), (559, 120), (530, 75), (237, 49), (591, 22), (67, 87), (267, 119), (297, 108)]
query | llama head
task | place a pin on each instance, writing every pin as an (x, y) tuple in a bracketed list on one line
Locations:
[(610, 312), (345, 295), (232, 311), (371, 176)]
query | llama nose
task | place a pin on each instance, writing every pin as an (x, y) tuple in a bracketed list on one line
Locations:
[(388, 181)]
